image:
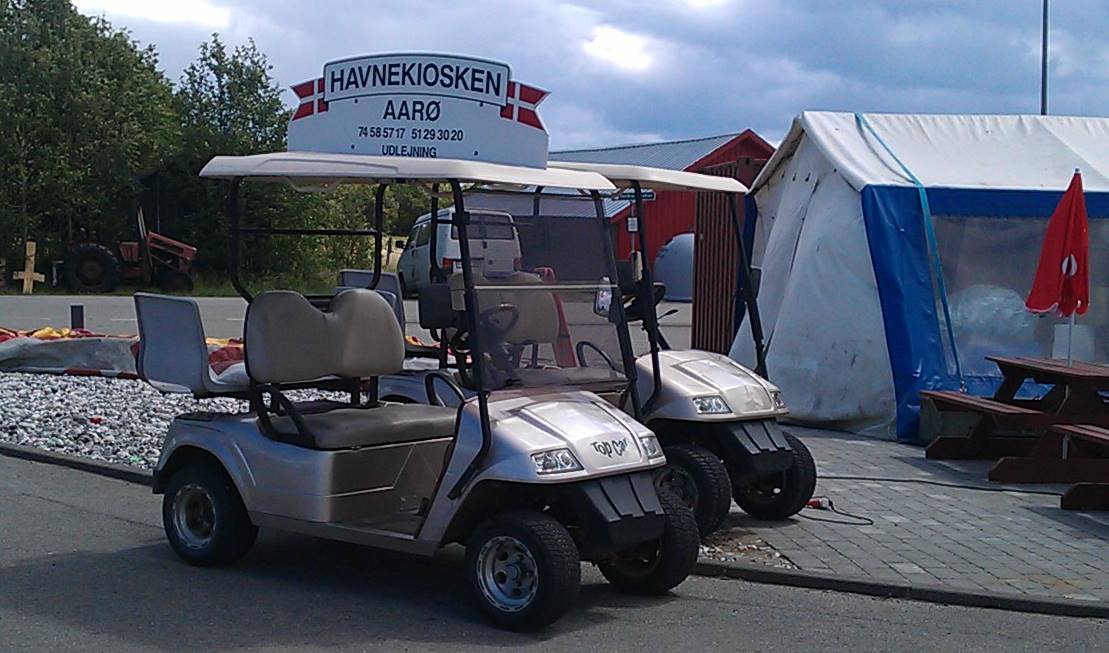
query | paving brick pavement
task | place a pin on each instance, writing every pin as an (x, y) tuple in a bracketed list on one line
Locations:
[(1005, 540)]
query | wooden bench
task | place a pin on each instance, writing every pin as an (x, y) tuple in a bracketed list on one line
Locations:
[(993, 416), (1086, 496), (1067, 453)]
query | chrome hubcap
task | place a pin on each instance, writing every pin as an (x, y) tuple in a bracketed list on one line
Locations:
[(507, 573), (194, 516)]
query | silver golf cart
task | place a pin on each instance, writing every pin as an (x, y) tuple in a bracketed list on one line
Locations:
[(716, 419), (532, 479)]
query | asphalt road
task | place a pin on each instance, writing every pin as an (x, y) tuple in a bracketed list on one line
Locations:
[(223, 316), (84, 567)]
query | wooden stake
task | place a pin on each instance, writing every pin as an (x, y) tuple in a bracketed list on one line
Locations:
[(28, 275)]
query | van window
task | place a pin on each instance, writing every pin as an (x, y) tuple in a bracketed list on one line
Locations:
[(423, 236), (488, 227)]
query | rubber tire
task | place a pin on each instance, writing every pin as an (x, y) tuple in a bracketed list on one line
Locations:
[(404, 292), (714, 486), (233, 533), (798, 486), (558, 567), (176, 281), (680, 545), (97, 253)]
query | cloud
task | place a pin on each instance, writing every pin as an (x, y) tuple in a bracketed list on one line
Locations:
[(617, 47), (619, 70), (193, 12)]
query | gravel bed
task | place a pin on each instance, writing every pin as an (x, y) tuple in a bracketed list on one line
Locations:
[(738, 544), (115, 420)]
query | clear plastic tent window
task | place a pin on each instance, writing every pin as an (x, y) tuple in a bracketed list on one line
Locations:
[(988, 266)]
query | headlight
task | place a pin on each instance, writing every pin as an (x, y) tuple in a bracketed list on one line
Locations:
[(776, 397), (712, 405), (555, 461), (651, 446)]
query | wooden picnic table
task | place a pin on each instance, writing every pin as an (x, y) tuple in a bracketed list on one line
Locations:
[(1076, 386), (1011, 427)]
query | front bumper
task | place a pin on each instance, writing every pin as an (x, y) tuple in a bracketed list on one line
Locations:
[(757, 447), (618, 512)]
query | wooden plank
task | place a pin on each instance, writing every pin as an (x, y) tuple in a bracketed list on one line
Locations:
[(1083, 431), (1079, 369), (977, 404)]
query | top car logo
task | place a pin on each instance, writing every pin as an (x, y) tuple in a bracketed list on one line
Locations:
[(610, 448)]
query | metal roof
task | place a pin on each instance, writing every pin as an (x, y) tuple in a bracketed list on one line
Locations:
[(673, 155), (315, 169), (623, 176)]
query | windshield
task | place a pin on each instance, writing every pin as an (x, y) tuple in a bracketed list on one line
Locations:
[(547, 322)]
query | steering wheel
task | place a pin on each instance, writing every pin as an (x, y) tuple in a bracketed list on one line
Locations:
[(496, 351), (440, 376), (487, 324), (583, 344), (632, 309)]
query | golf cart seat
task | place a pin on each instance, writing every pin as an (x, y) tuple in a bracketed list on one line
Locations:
[(291, 342), (547, 376), (173, 353), (351, 428)]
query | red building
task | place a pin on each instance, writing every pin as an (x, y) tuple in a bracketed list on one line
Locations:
[(673, 212)]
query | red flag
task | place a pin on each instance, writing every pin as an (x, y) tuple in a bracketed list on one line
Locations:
[(1062, 282)]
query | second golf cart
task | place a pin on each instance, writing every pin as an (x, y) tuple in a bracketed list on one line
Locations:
[(717, 420)]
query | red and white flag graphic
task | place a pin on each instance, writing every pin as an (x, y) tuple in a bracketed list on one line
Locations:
[(522, 101)]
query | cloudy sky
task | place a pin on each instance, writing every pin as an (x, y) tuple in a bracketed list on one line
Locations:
[(623, 71)]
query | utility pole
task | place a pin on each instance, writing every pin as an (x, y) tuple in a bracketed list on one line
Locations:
[(1043, 66)]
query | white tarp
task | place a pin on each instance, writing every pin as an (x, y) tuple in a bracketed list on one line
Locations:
[(818, 295), (953, 151)]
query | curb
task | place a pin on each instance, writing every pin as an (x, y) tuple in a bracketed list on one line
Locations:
[(126, 473), (756, 573), (750, 572)]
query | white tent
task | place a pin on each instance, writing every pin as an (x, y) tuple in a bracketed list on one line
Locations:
[(866, 226)]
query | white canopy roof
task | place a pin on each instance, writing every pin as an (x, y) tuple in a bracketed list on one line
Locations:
[(307, 169), (955, 151), (655, 178)]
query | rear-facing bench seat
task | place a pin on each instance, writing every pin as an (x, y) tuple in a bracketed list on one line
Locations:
[(353, 428)]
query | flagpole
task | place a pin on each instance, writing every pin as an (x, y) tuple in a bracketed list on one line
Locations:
[(1070, 341)]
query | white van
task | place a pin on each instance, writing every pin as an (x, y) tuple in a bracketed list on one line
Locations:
[(494, 246)]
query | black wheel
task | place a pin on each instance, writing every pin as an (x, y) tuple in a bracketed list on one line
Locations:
[(92, 267), (405, 293), (701, 481), (176, 281), (524, 569), (780, 495), (659, 566), (204, 517)]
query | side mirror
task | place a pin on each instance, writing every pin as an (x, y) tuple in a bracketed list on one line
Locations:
[(602, 301), (400, 244)]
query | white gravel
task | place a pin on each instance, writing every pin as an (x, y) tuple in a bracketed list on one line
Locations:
[(116, 420)]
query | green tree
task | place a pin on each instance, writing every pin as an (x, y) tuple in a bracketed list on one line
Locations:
[(87, 116)]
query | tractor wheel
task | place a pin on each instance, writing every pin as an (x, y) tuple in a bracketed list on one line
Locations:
[(92, 267), (176, 281)]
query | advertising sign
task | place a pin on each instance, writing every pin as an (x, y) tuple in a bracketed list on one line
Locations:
[(420, 105)]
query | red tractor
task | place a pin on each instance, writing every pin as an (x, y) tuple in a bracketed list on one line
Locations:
[(93, 267)]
